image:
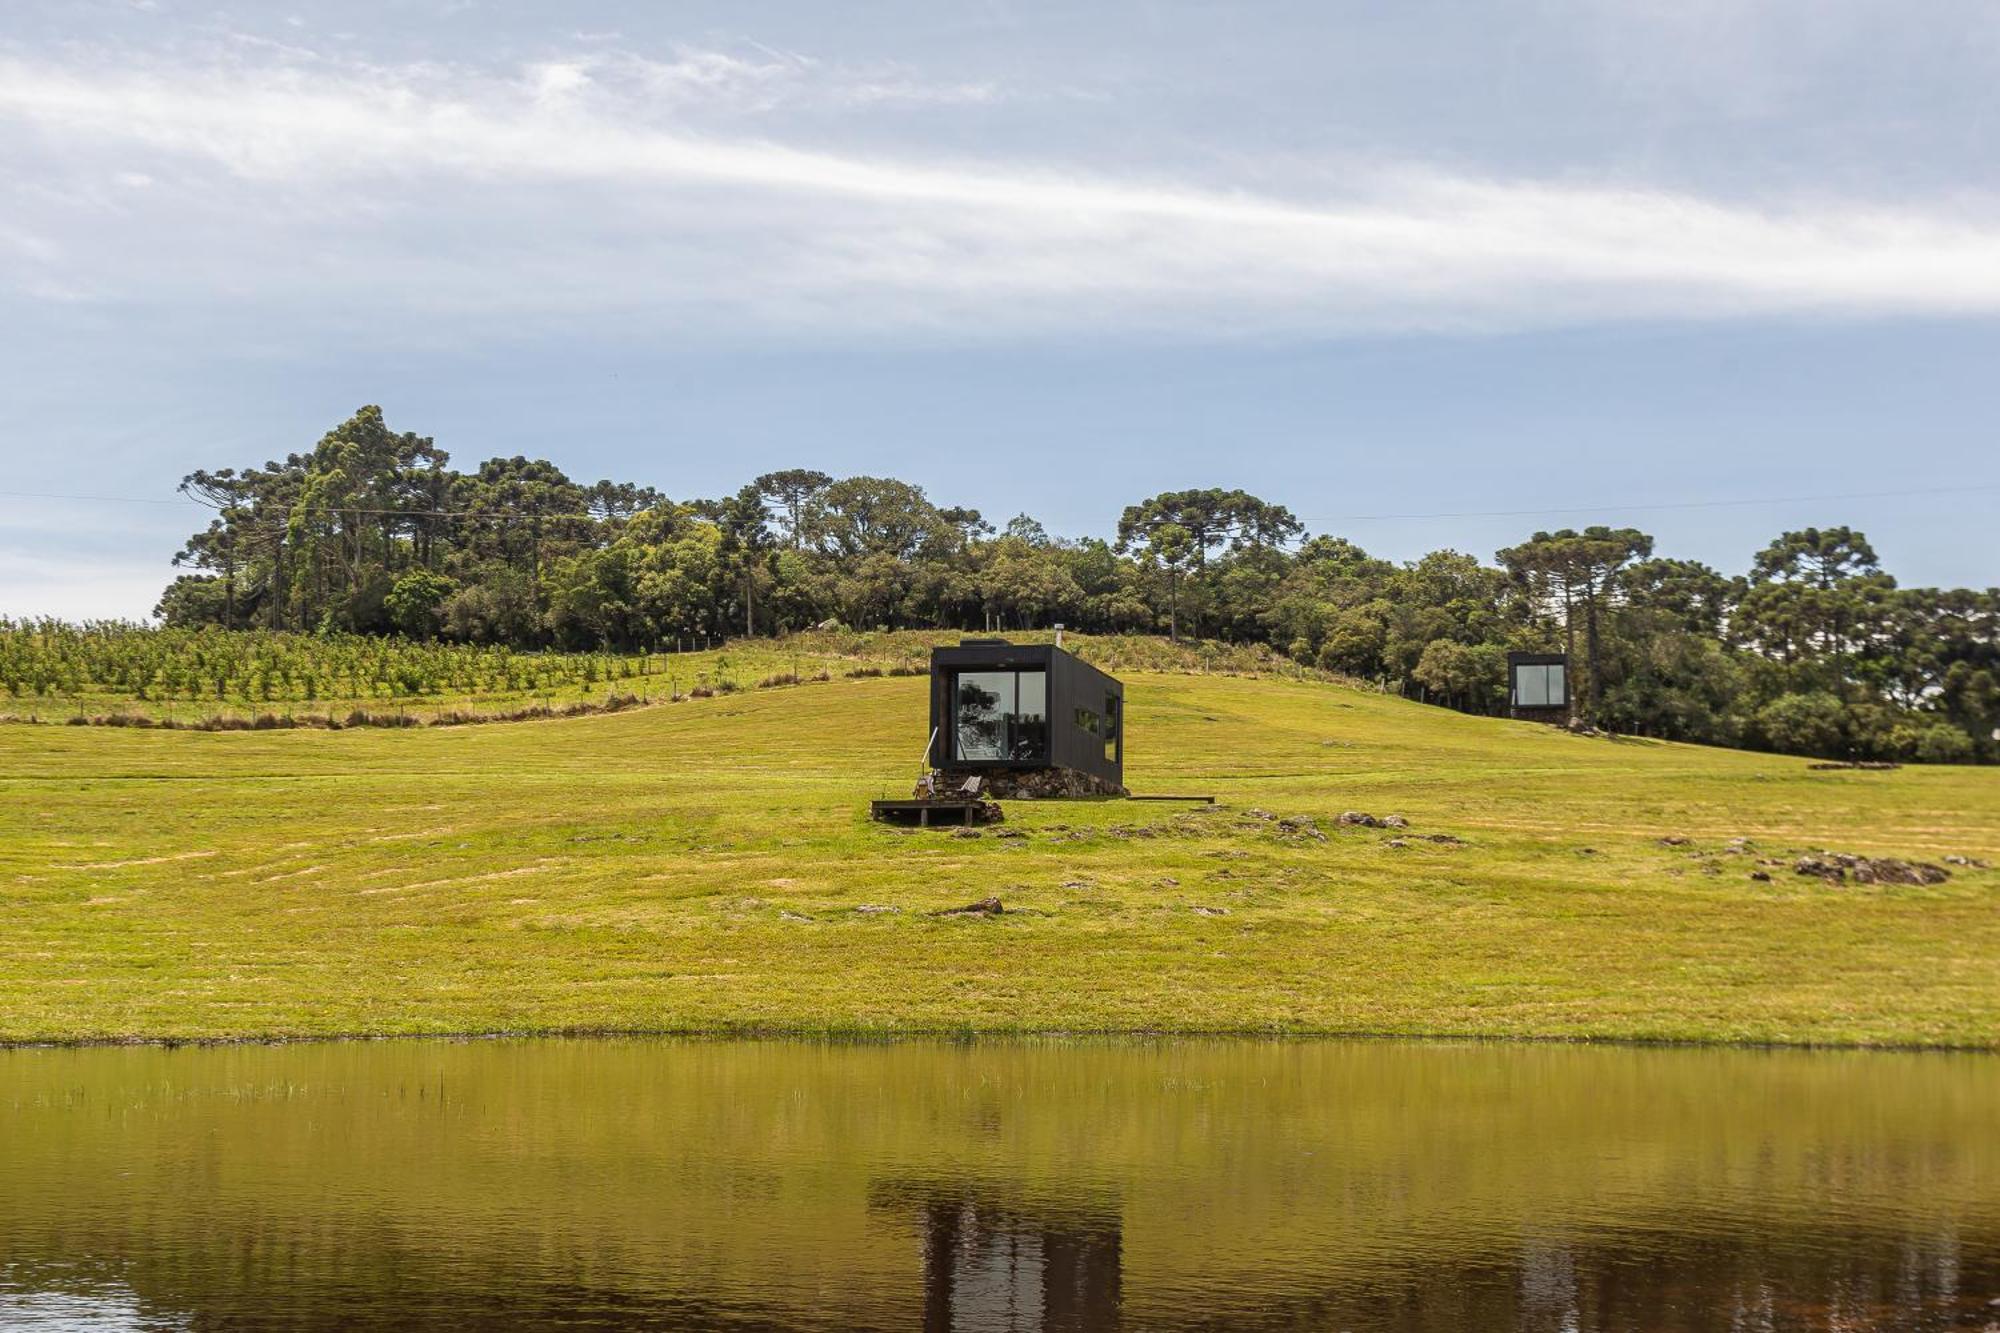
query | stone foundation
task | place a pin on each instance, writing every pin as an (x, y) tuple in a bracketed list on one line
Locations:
[(1031, 784), (1555, 717)]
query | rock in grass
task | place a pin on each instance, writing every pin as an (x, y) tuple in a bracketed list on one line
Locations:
[(984, 907), (1359, 819), (1839, 867), (1394, 821), (875, 909)]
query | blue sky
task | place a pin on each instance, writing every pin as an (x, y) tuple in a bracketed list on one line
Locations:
[(1377, 262)]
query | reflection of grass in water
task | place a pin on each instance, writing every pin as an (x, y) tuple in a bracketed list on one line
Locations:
[(793, 1177), (647, 870)]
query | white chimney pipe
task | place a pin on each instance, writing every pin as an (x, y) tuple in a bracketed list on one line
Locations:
[(1059, 630)]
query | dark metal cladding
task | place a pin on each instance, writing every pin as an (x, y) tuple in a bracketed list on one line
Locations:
[(1082, 709)]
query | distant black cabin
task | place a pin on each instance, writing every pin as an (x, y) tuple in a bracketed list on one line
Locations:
[(1538, 687), (1000, 708)]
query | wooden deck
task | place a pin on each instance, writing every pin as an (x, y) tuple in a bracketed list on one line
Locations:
[(923, 814)]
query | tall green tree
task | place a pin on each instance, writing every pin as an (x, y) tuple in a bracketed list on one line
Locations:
[(1575, 571), (793, 491)]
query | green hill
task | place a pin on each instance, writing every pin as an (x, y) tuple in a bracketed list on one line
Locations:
[(704, 865)]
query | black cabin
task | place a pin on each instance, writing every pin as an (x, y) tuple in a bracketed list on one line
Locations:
[(1001, 709), (1538, 687)]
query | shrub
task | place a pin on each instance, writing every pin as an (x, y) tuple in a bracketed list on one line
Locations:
[(1941, 743), (1811, 724)]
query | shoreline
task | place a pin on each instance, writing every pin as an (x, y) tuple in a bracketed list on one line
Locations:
[(854, 1036)]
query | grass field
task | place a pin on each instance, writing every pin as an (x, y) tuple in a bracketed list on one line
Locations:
[(130, 675), (699, 866)]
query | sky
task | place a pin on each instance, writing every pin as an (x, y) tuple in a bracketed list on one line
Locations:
[(1431, 274)]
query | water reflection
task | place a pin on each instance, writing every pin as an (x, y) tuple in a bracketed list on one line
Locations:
[(989, 1265), (1001, 1186)]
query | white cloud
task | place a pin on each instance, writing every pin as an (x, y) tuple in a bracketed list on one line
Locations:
[(603, 184), (765, 79)]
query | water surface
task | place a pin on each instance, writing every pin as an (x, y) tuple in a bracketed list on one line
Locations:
[(994, 1185)]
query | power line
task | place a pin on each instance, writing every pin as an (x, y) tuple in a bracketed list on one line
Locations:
[(1663, 505), (245, 518), (1653, 507), (100, 499)]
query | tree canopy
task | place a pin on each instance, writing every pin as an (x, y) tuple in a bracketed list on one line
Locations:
[(1815, 649)]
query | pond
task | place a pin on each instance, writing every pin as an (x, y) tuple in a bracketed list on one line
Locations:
[(997, 1185)]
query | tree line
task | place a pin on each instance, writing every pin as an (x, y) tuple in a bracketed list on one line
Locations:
[(1814, 649)]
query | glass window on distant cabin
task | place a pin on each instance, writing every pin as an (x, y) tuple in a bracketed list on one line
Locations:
[(1111, 728), (1086, 720), (1540, 686), (1000, 715)]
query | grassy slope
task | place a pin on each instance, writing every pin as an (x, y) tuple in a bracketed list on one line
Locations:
[(643, 871)]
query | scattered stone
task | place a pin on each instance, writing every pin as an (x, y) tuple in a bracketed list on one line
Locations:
[(1761, 876), (1302, 826), (1967, 862), (875, 909), (1078, 884), (965, 833), (784, 915), (984, 907), (1739, 847), (1394, 821), (1255, 813), (1009, 833), (1357, 819), (1169, 882), (1444, 839), (1839, 867), (1675, 840), (1397, 842), (1209, 911)]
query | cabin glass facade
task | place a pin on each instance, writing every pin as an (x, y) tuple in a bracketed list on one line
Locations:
[(1000, 715), (1540, 686)]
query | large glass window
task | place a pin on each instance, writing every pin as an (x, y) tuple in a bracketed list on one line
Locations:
[(1540, 687), (1000, 715), (1111, 728)]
